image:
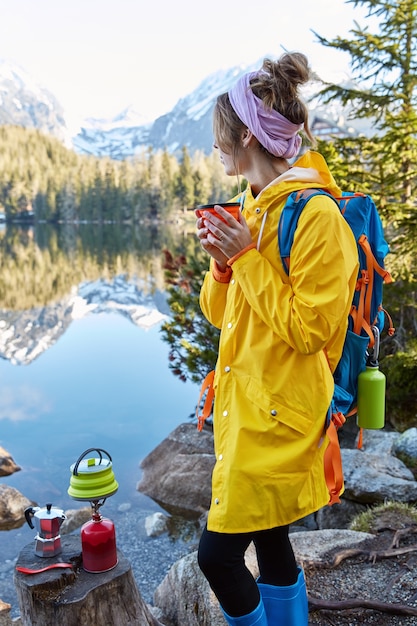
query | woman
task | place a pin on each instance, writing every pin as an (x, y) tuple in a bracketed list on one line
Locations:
[(279, 333)]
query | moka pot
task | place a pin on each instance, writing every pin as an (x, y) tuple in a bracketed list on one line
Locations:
[(47, 521)]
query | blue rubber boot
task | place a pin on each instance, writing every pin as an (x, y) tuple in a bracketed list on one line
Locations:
[(286, 606), (256, 618)]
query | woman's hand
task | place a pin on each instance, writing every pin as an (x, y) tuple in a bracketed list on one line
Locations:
[(223, 238)]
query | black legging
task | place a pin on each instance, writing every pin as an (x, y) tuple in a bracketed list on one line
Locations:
[(221, 558)]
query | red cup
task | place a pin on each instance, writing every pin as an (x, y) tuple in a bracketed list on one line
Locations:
[(231, 207)]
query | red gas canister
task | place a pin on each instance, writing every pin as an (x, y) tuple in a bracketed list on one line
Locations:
[(98, 542)]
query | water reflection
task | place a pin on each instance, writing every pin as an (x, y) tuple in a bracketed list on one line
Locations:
[(42, 264), (24, 335), (83, 363), (22, 403), (50, 276)]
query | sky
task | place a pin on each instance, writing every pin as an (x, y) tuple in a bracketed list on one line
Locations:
[(100, 56)]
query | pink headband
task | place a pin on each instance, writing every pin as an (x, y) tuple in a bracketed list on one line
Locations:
[(273, 131)]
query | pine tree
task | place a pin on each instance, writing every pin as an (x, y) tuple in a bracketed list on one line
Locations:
[(384, 67), (193, 341), (185, 181), (168, 168)]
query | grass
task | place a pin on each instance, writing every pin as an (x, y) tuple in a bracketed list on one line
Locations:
[(388, 515)]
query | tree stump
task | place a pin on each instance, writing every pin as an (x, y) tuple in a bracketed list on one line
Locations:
[(76, 597)]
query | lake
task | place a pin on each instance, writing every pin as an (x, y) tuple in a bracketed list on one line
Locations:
[(83, 363)]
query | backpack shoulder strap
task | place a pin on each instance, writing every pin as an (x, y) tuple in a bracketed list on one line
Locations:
[(288, 220), (289, 217)]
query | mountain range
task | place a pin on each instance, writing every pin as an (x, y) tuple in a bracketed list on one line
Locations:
[(25, 103)]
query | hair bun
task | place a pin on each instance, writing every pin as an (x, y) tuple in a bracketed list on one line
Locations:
[(278, 86)]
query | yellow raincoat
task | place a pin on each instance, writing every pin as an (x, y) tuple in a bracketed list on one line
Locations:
[(273, 384)]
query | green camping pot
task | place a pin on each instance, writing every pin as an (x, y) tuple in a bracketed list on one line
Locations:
[(92, 478)]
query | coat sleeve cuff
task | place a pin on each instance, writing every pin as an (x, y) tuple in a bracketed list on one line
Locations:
[(232, 259), (219, 276)]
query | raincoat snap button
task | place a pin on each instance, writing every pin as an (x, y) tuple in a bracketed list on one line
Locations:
[(216, 501), (225, 413), (274, 412), (229, 325), (232, 282), (220, 457), (227, 368), (258, 210)]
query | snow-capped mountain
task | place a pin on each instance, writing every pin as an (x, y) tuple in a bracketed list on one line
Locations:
[(189, 123), (122, 136), (25, 335), (23, 102)]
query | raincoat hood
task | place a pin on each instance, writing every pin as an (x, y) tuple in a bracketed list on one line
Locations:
[(308, 171)]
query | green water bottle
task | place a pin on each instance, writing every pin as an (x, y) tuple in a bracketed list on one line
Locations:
[(371, 391)]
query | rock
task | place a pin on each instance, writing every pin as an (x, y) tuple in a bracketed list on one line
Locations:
[(5, 619), (156, 524), (339, 515), (406, 446), (7, 464), (12, 507), (313, 545), (308, 522), (378, 441), (177, 473), (74, 519), (372, 478)]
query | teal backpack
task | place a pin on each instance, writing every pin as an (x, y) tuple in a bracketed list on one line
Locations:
[(367, 315)]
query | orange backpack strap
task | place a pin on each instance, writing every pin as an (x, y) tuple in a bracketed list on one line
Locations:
[(360, 323), (391, 329), (208, 389), (333, 470), (359, 315), (362, 316), (373, 266)]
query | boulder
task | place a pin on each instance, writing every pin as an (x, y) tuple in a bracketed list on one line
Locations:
[(156, 524), (177, 473), (378, 441), (7, 464), (373, 478), (313, 546), (12, 507), (74, 519), (406, 446), (5, 616), (339, 515), (5, 619)]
